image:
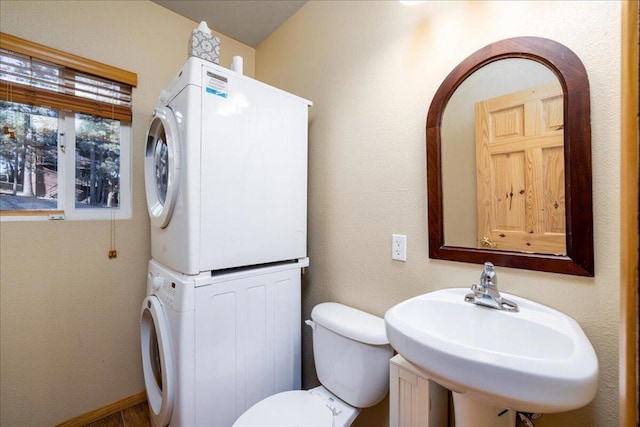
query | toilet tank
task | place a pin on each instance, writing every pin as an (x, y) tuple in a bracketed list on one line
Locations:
[(351, 353)]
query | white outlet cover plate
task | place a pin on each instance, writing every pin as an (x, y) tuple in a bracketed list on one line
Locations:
[(399, 247)]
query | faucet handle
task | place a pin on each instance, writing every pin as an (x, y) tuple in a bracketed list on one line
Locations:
[(488, 276), (487, 294)]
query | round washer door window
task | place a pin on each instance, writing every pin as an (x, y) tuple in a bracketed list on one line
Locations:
[(162, 166), (157, 361)]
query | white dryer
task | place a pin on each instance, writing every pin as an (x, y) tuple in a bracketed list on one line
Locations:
[(212, 346), (226, 172)]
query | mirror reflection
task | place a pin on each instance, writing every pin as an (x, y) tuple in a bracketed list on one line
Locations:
[(503, 160)]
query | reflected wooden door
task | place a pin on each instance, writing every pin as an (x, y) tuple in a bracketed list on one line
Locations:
[(520, 171)]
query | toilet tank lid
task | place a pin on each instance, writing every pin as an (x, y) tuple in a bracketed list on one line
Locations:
[(351, 323)]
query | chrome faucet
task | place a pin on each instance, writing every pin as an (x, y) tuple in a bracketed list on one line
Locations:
[(487, 294)]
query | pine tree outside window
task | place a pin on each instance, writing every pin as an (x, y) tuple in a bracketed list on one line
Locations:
[(65, 125)]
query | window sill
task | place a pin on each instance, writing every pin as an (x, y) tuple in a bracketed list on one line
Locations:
[(53, 215)]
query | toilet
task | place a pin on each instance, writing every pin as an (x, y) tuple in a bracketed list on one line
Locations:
[(351, 354)]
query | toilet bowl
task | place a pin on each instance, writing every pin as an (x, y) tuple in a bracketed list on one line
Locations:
[(351, 354), (302, 408)]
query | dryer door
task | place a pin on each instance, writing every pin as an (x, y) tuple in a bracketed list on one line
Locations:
[(157, 361), (162, 166)]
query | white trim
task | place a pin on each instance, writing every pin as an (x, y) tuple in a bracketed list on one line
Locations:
[(160, 211), (160, 397), (63, 142)]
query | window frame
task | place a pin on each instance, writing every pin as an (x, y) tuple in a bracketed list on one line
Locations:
[(68, 165), (66, 152), (66, 202)]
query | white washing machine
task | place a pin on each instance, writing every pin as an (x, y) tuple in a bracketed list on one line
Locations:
[(214, 345), (226, 172)]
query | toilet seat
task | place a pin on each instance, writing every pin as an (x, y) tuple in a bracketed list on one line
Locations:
[(290, 408)]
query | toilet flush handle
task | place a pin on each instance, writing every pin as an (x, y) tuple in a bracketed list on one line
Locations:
[(311, 323)]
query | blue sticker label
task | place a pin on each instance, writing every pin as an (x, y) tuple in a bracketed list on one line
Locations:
[(217, 92)]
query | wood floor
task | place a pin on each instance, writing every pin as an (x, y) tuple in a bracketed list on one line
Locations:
[(135, 416)]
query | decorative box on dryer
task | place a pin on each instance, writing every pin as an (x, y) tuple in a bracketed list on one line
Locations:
[(204, 45)]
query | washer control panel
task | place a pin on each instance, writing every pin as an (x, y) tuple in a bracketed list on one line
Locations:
[(164, 289)]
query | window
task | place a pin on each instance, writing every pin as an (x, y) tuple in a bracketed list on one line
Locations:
[(65, 135)]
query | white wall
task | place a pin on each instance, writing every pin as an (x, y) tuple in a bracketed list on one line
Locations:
[(371, 68), (69, 316)]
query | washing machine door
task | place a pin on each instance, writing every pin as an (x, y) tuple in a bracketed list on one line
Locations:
[(162, 166), (157, 361)]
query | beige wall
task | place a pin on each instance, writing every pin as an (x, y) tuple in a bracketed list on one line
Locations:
[(69, 316), (371, 69)]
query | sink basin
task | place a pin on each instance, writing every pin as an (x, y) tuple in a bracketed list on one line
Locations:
[(535, 360)]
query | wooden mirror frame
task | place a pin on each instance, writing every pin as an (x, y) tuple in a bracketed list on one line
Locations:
[(577, 158)]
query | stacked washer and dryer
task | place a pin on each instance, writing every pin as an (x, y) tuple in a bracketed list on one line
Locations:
[(226, 186)]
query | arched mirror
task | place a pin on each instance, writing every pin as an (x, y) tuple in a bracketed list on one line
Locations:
[(509, 160)]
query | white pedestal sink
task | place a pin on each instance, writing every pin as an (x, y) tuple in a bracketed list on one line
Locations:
[(534, 360)]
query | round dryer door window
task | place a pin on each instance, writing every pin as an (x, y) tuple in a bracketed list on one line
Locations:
[(162, 166), (157, 362)]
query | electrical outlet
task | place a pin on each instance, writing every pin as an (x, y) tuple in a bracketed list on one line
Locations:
[(399, 247)]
